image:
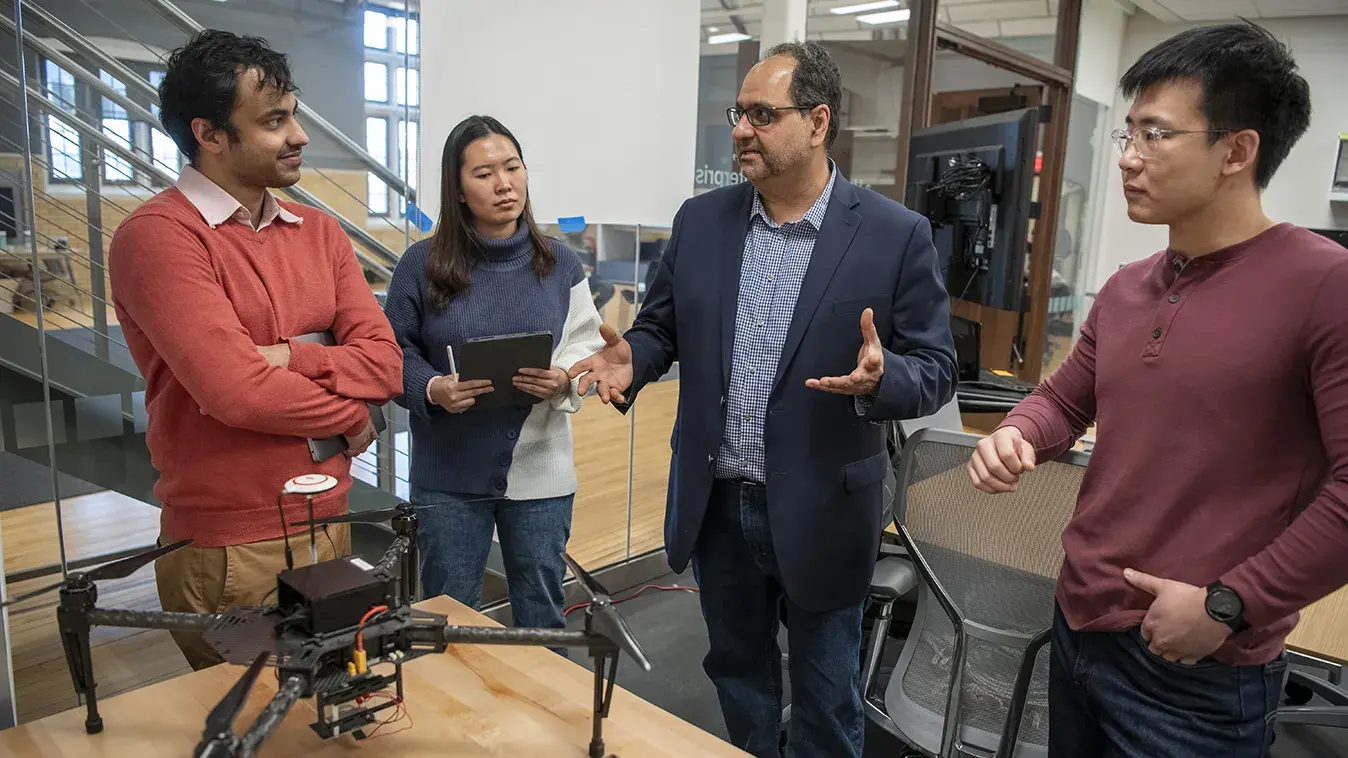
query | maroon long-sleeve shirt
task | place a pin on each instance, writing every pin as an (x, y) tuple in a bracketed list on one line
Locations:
[(1220, 387)]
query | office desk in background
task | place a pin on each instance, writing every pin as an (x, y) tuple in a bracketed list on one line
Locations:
[(473, 700)]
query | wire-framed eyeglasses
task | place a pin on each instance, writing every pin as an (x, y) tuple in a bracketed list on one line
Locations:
[(761, 115), (1146, 140)]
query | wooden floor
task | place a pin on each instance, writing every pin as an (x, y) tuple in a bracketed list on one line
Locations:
[(107, 522), (599, 525), (124, 658)]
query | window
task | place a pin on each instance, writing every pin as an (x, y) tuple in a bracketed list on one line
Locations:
[(61, 87), (163, 150), (405, 40), (376, 82), (376, 143), (376, 30), (156, 79), (117, 125), (409, 86), (407, 157), (63, 142), (392, 81)]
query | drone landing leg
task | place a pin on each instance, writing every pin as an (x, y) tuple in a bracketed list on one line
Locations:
[(73, 623), (603, 698)]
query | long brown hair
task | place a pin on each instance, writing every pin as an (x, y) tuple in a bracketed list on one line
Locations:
[(453, 247)]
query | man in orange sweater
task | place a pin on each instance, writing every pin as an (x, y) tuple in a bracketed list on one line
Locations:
[(211, 279)]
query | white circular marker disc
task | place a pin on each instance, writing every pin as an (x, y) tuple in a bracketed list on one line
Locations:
[(310, 484)]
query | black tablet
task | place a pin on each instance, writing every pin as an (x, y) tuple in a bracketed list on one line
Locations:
[(500, 359)]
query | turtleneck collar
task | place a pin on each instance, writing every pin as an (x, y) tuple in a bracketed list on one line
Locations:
[(512, 252)]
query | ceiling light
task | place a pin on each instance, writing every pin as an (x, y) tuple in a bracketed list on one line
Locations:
[(863, 7), (713, 29), (717, 39), (888, 17)]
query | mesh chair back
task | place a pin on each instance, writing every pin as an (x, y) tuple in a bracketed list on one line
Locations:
[(989, 564)]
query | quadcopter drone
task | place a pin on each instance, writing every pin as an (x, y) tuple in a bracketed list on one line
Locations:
[(333, 622)]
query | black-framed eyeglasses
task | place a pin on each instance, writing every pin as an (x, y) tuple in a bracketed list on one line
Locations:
[(761, 115), (1146, 140)]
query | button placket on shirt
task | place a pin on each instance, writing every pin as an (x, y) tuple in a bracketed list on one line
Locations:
[(1168, 310)]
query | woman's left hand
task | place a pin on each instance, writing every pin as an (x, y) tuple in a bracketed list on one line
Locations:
[(542, 382)]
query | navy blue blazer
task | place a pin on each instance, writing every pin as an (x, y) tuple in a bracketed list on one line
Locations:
[(825, 464)]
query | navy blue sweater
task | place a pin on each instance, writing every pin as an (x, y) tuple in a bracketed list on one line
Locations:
[(475, 452)]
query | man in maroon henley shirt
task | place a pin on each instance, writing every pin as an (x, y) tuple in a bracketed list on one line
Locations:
[(1215, 505)]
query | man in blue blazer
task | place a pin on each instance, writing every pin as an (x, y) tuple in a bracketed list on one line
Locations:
[(767, 296)]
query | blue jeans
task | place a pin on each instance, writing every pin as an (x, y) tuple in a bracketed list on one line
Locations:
[(454, 538), (1110, 696), (741, 593)]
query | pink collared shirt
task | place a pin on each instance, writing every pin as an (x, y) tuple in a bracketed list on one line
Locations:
[(217, 206)]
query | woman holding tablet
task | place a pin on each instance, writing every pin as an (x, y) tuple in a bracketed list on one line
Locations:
[(488, 271)]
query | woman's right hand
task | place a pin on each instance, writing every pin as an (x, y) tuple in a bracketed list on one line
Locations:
[(456, 396)]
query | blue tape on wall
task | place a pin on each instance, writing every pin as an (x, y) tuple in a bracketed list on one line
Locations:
[(572, 224), (422, 221)]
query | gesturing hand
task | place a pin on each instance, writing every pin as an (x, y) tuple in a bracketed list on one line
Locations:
[(456, 396), (865, 378), (999, 459), (610, 368), (356, 444), (542, 382), (1177, 626)]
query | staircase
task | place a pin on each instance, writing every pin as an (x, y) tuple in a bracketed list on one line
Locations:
[(62, 331)]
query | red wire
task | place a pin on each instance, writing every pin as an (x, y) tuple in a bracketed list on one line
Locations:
[(662, 588), (360, 628), (399, 713)]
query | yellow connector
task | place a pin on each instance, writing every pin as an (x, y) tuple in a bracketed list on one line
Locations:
[(360, 662), (351, 668)]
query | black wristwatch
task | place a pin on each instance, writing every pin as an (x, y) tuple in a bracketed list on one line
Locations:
[(1224, 605)]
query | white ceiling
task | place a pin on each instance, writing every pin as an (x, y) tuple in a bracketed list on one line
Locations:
[(1004, 18), (1225, 10)]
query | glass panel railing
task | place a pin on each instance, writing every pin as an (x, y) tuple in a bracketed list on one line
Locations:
[(653, 421), (601, 435)]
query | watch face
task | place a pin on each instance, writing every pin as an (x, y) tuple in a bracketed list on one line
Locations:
[(1223, 604)]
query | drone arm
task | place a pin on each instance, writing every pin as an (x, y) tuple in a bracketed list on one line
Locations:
[(484, 635), (173, 622), (271, 717), (391, 557)]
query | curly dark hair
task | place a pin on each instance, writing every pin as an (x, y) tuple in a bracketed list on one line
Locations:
[(202, 81)]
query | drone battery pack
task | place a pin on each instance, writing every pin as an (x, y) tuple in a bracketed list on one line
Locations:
[(335, 594)]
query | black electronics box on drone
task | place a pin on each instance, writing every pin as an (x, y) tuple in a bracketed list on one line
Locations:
[(335, 594)]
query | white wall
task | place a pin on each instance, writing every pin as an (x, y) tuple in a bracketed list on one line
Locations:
[(1299, 191), (603, 100), (1099, 45)]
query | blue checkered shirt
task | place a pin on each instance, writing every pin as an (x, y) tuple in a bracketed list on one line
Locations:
[(775, 260)]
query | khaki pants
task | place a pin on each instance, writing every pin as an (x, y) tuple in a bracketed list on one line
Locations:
[(215, 579)]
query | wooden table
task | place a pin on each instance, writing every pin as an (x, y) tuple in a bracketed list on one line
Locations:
[(471, 701), (1323, 629)]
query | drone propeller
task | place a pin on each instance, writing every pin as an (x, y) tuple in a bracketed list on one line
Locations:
[(608, 622), (119, 569), (363, 517), (221, 718), (385, 514)]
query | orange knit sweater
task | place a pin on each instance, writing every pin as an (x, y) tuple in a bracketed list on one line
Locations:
[(226, 429)]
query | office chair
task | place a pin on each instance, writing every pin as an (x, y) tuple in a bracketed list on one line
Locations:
[(973, 673), (894, 576)]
